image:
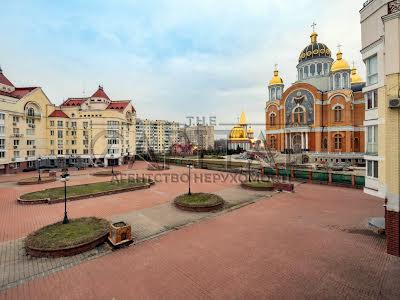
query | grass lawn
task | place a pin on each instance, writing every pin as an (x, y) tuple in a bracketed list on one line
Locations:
[(259, 184), (58, 235), (199, 199), (84, 189)]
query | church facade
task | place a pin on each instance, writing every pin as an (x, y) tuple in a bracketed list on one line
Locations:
[(322, 112)]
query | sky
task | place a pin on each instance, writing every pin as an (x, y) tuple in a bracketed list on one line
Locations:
[(172, 58)]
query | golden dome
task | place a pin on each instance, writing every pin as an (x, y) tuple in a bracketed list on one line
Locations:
[(340, 64), (238, 133), (276, 79), (355, 78)]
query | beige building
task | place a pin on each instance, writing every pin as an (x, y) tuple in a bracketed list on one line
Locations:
[(92, 130), (158, 135), (380, 28), (23, 124), (80, 131), (200, 136)]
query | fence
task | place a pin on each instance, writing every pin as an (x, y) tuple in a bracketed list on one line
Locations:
[(311, 176)]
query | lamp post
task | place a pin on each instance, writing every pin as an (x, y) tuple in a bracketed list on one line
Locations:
[(112, 164), (39, 160), (249, 169), (65, 178), (189, 167)]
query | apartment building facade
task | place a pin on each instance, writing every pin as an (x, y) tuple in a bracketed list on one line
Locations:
[(158, 135), (380, 33), (200, 136), (34, 132)]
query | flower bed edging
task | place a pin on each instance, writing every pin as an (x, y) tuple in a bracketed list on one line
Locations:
[(199, 208), (68, 251), (86, 196), (259, 188), (42, 181)]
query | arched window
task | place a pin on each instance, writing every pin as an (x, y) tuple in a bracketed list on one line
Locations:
[(319, 69), (273, 96), (299, 115), (326, 69), (305, 71), (272, 119), (345, 80), (278, 93), (312, 70), (337, 81), (337, 111), (338, 141), (31, 112), (272, 142), (324, 144)]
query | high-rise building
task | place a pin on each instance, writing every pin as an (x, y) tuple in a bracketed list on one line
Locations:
[(380, 35), (200, 136), (157, 135)]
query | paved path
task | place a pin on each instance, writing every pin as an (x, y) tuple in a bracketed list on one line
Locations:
[(312, 244), (17, 267)]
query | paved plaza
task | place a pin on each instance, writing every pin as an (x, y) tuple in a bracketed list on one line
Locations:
[(313, 243)]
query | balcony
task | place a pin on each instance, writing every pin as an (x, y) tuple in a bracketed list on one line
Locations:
[(16, 135)]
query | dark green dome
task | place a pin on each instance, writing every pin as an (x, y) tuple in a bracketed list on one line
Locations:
[(314, 50)]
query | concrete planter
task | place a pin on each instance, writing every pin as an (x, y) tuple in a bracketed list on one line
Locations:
[(120, 234), (257, 188)]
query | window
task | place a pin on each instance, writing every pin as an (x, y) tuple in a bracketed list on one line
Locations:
[(338, 141), (30, 153), (73, 142), (272, 142), (73, 133), (305, 71), (31, 112), (272, 119), (60, 143), (31, 164), (372, 168), (16, 131), (60, 123), (51, 132), (60, 152), (2, 129), (2, 116), (326, 69), (2, 154), (16, 154), (338, 113), (371, 99), (312, 70), (337, 81), (113, 142), (345, 81), (298, 115), (85, 124), (2, 144), (73, 151), (51, 123), (30, 121), (324, 144), (319, 69), (60, 134), (73, 123), (372, 139), (16, 142), (278, 94), (85, 151), (30, 131), (372, 69), (15, 119), (51, 142), (356, 145), (273, 95)]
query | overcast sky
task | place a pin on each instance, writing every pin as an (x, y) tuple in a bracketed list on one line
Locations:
[(173, 58)]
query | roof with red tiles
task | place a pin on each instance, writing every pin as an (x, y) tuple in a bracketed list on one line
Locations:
[(58, 114), (18, 93), (73, 101), (100, 93), (120, 105), (4, 79)]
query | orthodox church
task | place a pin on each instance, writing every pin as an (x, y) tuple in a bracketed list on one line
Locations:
[(241, 135), (322, 112)]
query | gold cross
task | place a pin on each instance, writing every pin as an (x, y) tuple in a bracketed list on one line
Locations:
[(313, 25)]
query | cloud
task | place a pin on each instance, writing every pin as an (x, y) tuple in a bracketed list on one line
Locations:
[(173, 58)]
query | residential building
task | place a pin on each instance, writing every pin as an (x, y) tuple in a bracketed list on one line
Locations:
[(322, 113), (158, 135), (200, 136), (380, 35), (23, 122)]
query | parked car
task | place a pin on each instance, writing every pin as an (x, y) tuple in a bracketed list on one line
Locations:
[(29, 169), (100, 164)]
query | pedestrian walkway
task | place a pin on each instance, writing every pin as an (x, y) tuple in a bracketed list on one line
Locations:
[(16, 267)]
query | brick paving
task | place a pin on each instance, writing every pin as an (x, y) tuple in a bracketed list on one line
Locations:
[(17, 267), (310, 244)]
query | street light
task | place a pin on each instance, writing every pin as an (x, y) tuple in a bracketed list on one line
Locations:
[(189, 167), (112, 164), (249, 170), (39, 178), (65, 178)]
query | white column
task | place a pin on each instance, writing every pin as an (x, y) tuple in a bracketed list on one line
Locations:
[(306, 134), (286, 140), (302, 140)]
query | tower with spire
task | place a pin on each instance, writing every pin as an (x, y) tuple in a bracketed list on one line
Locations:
[(275, 86)]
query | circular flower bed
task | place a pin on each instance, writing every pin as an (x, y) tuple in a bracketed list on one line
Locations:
[(258, 185), (199, 202), (157, 167), (58, 239), (35, 180), (106, 173)]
